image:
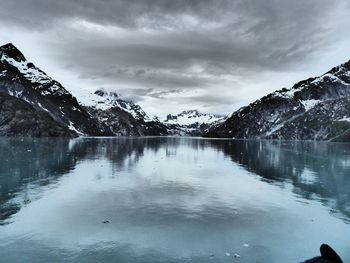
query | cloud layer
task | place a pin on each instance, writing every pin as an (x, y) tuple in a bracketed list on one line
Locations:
[(214, 55)]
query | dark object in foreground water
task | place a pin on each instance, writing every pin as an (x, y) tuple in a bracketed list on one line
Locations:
[(328, 255), (105, 222)]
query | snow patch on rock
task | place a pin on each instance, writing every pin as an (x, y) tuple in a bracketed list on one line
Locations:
[(103, 100), (35, 76), (191, 117), (347, 119), (309, 104)]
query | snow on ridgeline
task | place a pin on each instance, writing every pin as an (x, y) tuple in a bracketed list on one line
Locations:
[(346, 119), (103, 100), (327, 77), (191, 117), (31, 73), (309, 104)]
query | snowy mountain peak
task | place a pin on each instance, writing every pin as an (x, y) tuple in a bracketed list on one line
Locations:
[(313, 109), (17, 64), (43, 96), (311, 89), (191, 122), (24, 87), (191, 117), (12, 52), (103, 100)]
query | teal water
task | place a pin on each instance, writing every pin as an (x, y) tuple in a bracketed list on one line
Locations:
[(172, 200)]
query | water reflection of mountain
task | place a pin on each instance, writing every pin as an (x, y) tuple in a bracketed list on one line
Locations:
[(316, 170), (30, 163), (24, 161)]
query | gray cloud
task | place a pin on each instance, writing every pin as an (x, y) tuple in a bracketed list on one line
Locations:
[(168, 48), (138, 95)]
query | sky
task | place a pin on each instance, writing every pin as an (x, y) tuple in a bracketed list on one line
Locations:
[(174, 55)]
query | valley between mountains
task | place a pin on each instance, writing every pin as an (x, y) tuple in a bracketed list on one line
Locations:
[(33, 104)]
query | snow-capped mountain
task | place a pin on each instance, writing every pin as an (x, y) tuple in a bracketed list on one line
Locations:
[(191, 122), (58, 113), (123, 117), (191, 117), (21, 79), (314, 109), (103, 100)]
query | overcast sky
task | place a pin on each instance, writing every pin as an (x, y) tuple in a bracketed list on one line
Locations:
[(172, 55)]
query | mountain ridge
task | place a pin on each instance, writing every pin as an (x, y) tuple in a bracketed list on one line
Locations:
[(191, 122), (98, 113), (316, 108), (312, 109), (23, 80)]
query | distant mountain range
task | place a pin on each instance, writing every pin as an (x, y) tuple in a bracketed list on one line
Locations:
[(33, 104), (314, 109), (191, 122)]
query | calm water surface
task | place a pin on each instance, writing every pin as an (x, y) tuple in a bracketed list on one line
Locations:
[(172, 200)]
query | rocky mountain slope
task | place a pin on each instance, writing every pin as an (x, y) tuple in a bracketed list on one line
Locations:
[(23, 80), (123, 117), (97, 114), (314, 109), (19, 118), (191, 122)]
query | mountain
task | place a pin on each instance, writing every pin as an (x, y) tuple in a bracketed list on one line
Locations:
[(314, 109), (123, 117), (28, 91), (19, 118), (43, 96), (191, 122)]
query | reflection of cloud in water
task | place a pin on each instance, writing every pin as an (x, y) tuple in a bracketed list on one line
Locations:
[(316, 170), (168, 209), (176, 196), (322, 163)]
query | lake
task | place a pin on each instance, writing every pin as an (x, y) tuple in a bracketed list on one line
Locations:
[(172, 200)]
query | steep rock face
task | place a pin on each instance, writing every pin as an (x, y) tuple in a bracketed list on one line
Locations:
[(23, 80), (123, 123), (313, 109), (191, 122), (19, 118), (122, 117)]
